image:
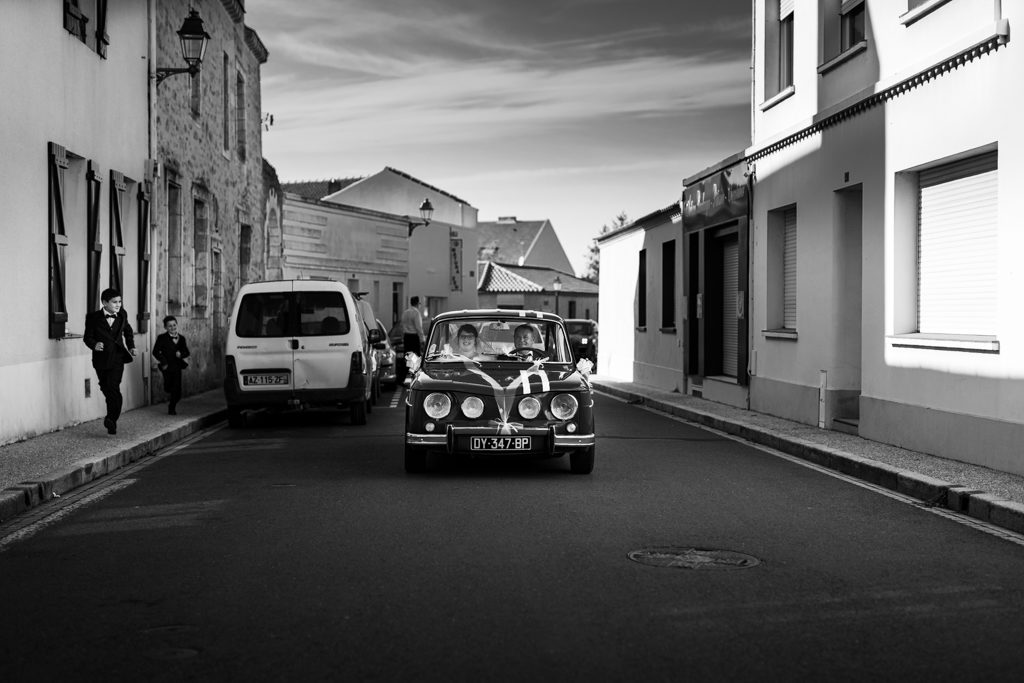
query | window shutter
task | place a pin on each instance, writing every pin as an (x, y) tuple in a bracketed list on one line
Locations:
[(142, 305), (58, 314), (94, 183), (789, 269), (730, 323), (117, 250), (958, 247), (102, 39), (74, 21), (785, 8)]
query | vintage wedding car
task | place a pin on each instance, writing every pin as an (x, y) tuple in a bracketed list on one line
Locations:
[(499, 383)]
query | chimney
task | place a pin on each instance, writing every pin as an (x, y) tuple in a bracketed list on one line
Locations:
[(333, 185)]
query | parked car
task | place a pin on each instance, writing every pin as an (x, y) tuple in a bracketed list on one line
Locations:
[(397, 340), (297, 343), (486, 388), (583, 338), (369, 319), (386, 358)]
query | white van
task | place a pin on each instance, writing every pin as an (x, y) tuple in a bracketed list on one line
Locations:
[(297, 343)]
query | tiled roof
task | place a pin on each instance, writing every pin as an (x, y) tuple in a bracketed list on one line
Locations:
[(504, 278), (506, 240), (318, 189), (498, 279)]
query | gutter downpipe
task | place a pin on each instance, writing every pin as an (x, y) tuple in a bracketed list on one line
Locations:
[(154, 168)]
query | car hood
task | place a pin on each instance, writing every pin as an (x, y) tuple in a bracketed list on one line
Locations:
[(485, 379)]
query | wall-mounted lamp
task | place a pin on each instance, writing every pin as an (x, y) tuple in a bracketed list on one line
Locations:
[(426, 213), (194, 40), (557, 286)]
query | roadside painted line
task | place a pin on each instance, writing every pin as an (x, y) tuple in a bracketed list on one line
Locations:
[(396, 397), (34, 528), (104, 486), (985, 527)]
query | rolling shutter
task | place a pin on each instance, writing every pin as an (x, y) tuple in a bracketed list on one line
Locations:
[(789, 269), (730, 324), (957, 247)]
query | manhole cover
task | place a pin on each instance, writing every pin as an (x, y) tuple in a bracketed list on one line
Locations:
[(693, 558)]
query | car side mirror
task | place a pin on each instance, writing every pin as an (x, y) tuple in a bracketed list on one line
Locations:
[(375, 337)]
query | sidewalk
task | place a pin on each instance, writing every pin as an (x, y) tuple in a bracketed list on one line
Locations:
[(979, 492), (32, 471)]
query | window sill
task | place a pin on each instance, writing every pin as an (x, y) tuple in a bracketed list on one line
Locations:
[(908, 18), (790, 335), (843, 57), (69, 335), (641, 328), (786, 93), (971, 343), (667, 330)]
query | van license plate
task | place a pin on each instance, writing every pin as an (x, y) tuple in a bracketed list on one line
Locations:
[(264, 380), (499, 443)]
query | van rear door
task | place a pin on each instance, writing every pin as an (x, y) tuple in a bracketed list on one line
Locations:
[(326, 337), (263, 349)]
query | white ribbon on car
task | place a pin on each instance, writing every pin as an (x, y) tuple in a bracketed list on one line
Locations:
[(505, 396)]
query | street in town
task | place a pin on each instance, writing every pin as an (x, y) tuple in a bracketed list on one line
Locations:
[(298, 548)]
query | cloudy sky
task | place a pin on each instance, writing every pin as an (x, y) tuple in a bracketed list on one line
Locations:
[(570, 110)]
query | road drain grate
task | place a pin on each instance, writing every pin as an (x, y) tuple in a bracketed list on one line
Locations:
[(675, 557)]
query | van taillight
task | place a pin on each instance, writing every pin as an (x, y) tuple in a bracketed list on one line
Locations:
[(357, 362), (229, 364)]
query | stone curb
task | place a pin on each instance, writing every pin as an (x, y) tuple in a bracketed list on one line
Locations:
[(26, 495), (977, 504)]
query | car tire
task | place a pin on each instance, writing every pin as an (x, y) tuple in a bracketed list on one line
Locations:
[(358, 409), (415, 459), (582, 461), (236, 418)]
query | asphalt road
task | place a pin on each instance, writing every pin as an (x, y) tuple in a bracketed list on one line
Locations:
[(298, 548)]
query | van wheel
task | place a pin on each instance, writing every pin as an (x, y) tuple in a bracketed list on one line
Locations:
[(358, 412), (236, 418), (415, 459), (581, 461)]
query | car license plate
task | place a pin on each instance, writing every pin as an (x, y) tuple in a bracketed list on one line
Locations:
[(264, 380), (499, 443)]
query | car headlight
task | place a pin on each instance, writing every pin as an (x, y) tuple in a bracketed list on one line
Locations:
[(529, 408), (564, 406), (437, 405), (472, 407)]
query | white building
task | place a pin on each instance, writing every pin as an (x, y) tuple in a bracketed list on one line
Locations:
[(885, 259)]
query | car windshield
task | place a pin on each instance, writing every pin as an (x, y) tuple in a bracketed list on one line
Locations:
[(497, 339)]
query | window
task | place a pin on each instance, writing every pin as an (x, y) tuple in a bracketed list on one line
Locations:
[(572, 309), (240, 116), (786, 51), (668, 284), (94, 188), (778, 63), (174, 236), (145, 193), (852, 25), (957, 243), (197, 93), (641, 290), (201, 247), (244, 253), (226, 104), (781, 270)]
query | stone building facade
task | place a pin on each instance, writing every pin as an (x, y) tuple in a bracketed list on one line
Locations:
[(211, 206)]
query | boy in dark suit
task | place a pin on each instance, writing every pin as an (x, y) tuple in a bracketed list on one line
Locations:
[(112, 341), (170, 351)]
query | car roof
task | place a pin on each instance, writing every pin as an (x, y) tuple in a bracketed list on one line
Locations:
[(511, 314), (581, 320)]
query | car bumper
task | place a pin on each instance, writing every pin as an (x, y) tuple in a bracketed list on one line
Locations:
[(543, 439)]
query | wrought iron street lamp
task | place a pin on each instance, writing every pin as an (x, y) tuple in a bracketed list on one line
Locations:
[(194, 40), (426, 213), (557, 286)]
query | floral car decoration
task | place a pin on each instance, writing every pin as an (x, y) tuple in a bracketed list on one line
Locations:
[(499, 382)]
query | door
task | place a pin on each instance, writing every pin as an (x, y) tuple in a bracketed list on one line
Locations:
[(729, 320), (261, 344), (326, 336)]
